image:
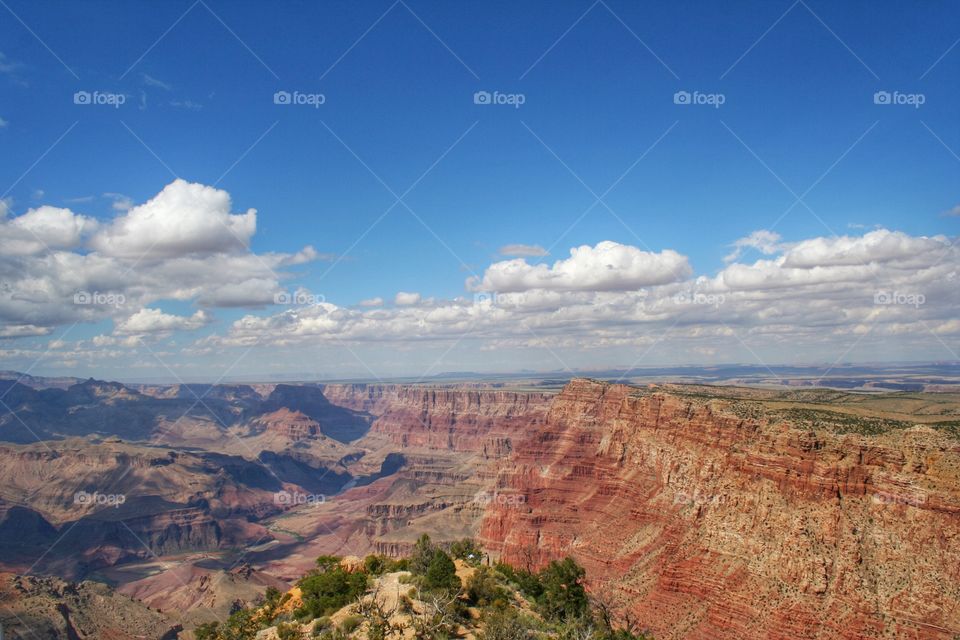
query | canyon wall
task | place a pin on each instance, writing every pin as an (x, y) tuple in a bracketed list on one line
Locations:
[(464, 420), (709, 525)]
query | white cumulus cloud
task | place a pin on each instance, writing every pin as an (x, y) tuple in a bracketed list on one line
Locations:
[(59, 267), (44, 228), (608, 266), (405, 298), (185, 218), (154, 320)]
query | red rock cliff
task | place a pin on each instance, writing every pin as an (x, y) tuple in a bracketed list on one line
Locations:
[(713, 526), (465, 420)]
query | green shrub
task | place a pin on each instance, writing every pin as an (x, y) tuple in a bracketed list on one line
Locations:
[(375, 565), (563, 598), (241, 625), (506, 570), (506, 625), (402, 564), (422, 556), (325, 563), (328, 591), (483, 590), (206, 631), (529, 584), (288, 631), (442, 573), (467, 550)]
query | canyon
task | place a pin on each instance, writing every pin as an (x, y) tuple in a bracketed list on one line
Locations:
[(702, 512)]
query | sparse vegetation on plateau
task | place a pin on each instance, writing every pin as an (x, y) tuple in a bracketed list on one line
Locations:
[(436, 594)]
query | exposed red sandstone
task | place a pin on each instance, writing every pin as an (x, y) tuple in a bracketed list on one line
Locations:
[(713, 526), (463, 420)]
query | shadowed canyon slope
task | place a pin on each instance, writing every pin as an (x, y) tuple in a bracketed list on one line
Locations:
[(709, 512)]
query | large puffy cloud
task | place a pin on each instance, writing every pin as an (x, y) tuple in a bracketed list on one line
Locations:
[(608, 266), (58, 267), (878, 258), (880, 246), (185, 218), (42, 229)]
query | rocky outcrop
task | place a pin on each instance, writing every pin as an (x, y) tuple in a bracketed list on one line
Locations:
[(338, 421), (292, 425), (710, 525), (50, 608), (200, 594)]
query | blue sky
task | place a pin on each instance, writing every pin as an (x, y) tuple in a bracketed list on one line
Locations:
[(598, 82)]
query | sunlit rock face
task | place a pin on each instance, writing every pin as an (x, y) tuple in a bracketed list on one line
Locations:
[(712, 525)]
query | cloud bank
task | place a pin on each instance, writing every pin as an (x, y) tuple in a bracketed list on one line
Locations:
[(186, 245)]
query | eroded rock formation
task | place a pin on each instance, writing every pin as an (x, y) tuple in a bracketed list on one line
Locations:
[(711, 525)]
